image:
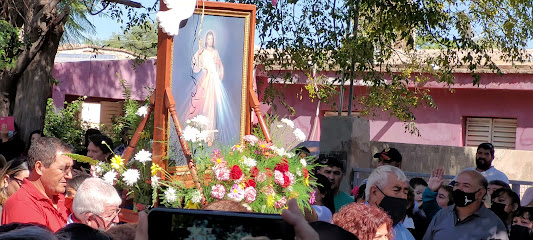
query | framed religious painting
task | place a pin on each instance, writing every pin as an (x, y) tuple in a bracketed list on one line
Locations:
[(209, 68)]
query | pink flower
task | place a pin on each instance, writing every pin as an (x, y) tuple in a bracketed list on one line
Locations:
[(249, 194), (312, 198), (278, 177), (280, 203), (290, 176), (218, 191), (236, 193), (261, 177), (216, 153), (274, 2), (250, 139), (219, 161), (222, 173), (268, 190)]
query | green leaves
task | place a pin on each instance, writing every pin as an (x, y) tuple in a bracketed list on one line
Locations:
[(65, 124), (10, 46)]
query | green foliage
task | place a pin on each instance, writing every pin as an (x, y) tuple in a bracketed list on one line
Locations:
[(66, 123), (378, 44), (140, 39), (131, 120), (77, 24), (10, 46)]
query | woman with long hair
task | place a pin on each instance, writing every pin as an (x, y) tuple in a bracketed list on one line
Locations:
[(322, 203), (12, 176)]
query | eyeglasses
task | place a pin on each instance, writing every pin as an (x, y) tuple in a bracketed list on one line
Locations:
[(19, 181), (110, 218)]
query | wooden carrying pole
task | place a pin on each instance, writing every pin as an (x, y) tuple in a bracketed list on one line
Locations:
[(254, 104), (170, 103), (138, 132)]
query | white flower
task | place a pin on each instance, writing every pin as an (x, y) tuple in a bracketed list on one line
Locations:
[(290, 154), (142, 111), (263, 208), (130, 176), (155, 181), (279, 126), (201, 120), (98, 168), (290, 189), (110, 177), (303, 162), (288, 122), (196, 196), (299, 172), (143, 156), (249, 162), (300, 136), (202, 136), (170, 195), (191, 134)]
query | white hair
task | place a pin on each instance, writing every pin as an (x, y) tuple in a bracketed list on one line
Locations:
[(93, 195), (380, 176)]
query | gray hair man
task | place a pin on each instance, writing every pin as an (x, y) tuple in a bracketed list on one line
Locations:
[(387, 188), (40, 199), (96, 204), (468, 218)]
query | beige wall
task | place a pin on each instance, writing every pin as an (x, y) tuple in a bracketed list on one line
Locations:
[(516, 164)]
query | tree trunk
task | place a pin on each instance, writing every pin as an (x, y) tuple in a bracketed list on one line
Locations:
[(34, 87), (25, 88)]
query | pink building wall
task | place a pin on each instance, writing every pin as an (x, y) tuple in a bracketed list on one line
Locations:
[(98, 79), (510, 96)]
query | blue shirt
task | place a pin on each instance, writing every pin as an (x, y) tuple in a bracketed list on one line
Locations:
[(401, 233), (483, 224)]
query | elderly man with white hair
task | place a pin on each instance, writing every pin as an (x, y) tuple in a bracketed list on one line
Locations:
[(387, 188), (96, 204)]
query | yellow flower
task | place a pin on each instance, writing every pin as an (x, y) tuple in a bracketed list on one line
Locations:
[(191, 205), (155, 168), (293, 195), (117, 162), (270, 200), (306, 181), (263, 146)]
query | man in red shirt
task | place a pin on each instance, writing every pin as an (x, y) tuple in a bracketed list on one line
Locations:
[(40, 198)]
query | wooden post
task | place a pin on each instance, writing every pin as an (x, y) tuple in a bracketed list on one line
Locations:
[(254, 103), (138, 132)]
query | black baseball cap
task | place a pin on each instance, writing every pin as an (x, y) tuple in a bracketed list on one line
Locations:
[(389, 154)]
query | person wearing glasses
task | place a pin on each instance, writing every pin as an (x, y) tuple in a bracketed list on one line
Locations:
[(13, 175), (96, 204), (40, 198), (484, 158)]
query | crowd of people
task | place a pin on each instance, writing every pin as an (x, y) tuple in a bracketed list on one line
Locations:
[(46, 195)]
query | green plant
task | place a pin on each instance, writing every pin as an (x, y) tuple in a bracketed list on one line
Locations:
[(66, 123), (10, 46)]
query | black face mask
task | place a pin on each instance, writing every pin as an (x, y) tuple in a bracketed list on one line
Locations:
[(520, 233), (463, 199), (395, 207), (499, 210)]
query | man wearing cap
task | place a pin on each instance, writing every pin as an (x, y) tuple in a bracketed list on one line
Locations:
[(484, 158), (389, 156)]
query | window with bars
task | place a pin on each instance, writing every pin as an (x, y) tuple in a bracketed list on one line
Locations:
[(501, 132)]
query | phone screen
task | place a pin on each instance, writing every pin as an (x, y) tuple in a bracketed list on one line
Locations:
[(170, 223)]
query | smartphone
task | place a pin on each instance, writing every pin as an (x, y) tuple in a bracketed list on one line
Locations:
[(10, 121), (174, 223)]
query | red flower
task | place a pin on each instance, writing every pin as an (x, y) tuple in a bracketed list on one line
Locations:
[(236, 172), (254, 171), (249, 183), (286, 181), (306, 173), (282, 167)]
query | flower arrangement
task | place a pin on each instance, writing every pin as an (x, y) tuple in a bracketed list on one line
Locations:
[(131, 177), (256, 173)]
